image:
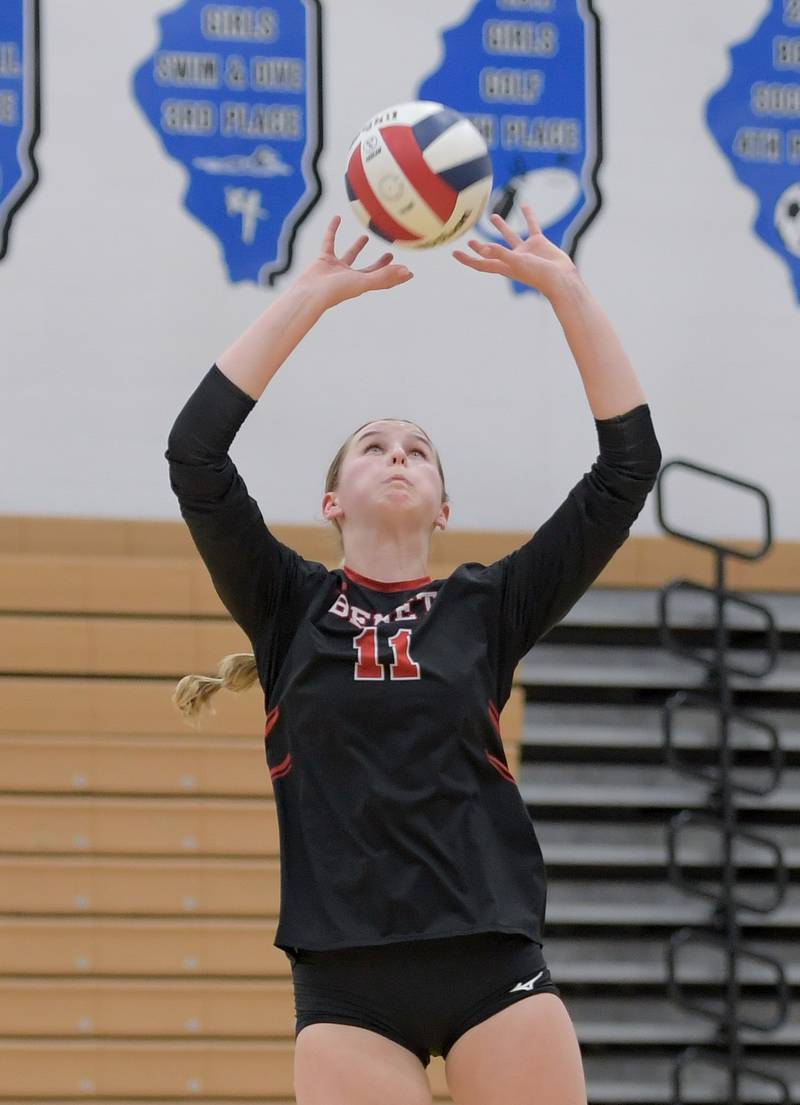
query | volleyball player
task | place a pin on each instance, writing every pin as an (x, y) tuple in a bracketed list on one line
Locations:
[(412, 883)]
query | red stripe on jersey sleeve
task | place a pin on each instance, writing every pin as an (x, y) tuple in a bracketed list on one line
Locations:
[(272, 717), (283, 768), (501, 767)]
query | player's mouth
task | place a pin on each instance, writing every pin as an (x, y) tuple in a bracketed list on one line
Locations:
[(403, 478)]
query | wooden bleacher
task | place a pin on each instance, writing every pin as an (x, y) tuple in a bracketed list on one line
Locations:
[(140, 861)]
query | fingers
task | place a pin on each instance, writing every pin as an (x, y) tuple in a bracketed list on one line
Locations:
[(389, 276), (330, 234), (510, 235), (489, 250), (530, 219), (379, 264), (494, 257), (350, 255), (497, 266)]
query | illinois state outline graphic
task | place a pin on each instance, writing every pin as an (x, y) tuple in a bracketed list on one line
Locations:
[(528, 75), (235, 94), (755, 119)]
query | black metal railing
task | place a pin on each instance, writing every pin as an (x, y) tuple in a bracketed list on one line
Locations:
[(724, 1054)]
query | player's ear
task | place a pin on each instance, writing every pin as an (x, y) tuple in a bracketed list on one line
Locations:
[(330, 506), (444, 514)]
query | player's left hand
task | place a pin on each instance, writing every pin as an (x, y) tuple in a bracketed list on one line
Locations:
[(535, 260)]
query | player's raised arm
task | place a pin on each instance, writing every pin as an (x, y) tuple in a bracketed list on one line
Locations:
[(541, 581), (256, 356), (252, 571), (609, 379)]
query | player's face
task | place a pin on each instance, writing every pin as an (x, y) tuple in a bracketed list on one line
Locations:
[(390, 468)]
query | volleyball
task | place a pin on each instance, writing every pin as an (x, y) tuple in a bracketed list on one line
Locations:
[(418, 174)]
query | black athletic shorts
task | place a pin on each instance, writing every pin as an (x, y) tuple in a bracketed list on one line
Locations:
[(422, 994)]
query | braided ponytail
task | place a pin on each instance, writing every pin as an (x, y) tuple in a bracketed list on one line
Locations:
[(236, 673)]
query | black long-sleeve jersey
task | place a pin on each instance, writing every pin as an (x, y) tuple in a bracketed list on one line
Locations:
[(398, 816)]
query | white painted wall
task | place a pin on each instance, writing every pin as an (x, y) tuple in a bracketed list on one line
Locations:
[(114, 301)]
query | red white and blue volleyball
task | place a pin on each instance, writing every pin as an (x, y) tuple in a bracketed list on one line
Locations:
[(419, 174)]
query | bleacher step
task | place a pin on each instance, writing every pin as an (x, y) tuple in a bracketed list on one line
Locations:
[(632, 666), (640, 1021), (623, 1080), (590, 786), (643, 844), (640, 902), (602, 726), (590, 962), (639, 607)]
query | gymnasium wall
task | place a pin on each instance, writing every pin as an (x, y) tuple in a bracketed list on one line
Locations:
[(114, 301)]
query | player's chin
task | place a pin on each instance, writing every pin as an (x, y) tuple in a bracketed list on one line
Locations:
[(398, 497)]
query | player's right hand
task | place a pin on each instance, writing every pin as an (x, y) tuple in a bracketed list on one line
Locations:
[(335, 279)]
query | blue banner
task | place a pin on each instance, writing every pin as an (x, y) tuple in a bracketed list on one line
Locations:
[(755, 119), (527, 73), (234, 92), (19, 108)]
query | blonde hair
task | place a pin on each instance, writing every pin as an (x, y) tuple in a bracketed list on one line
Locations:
[(239, 671)]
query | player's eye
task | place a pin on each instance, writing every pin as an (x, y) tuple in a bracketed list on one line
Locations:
[(374, 445)]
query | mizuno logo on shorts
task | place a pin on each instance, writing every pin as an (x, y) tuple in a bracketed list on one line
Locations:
[(526, 985)]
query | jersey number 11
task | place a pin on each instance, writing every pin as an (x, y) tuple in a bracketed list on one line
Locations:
[(368, 667)]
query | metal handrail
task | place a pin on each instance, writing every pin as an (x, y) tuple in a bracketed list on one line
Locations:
[(720, 814)]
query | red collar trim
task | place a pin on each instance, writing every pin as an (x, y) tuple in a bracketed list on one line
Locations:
[(380, 585)]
